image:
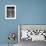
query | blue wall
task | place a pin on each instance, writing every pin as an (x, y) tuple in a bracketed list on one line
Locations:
[(27, 12)]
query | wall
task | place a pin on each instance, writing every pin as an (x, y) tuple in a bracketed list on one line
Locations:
[(27, 12)]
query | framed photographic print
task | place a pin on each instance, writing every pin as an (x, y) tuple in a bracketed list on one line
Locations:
[(10, 12)]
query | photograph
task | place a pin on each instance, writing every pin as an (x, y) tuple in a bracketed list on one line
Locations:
[(10, 12)]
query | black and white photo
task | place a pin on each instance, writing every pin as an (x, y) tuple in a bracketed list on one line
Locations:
[(10, 12)]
